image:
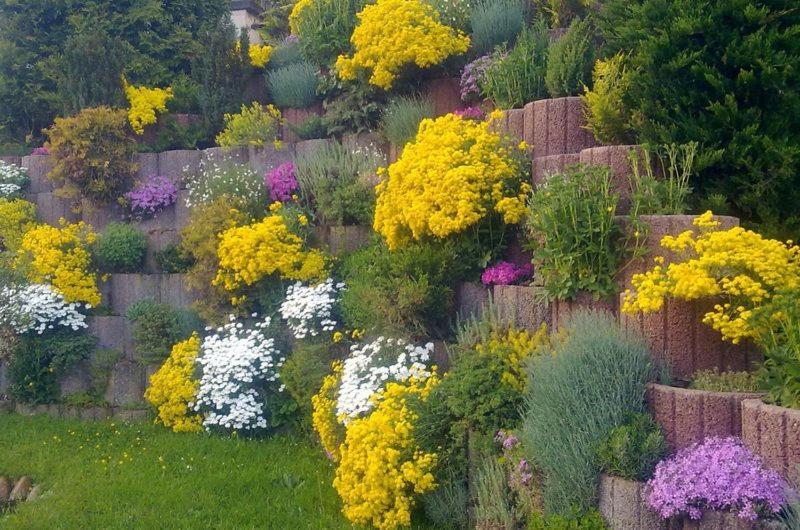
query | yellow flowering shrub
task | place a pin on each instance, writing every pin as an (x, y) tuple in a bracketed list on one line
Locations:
[(516, 346), (144, 104), (60, 256), (254, 125), (252, 252), (17, 216), (259, 54), (381, 467), (329, 429), (172, 388), (392, 34), (456, 173), (739, 266)]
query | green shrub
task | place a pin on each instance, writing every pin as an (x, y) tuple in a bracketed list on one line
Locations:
[(39, 361), (408, 290), (570, 61), (311, 129), (293, 85), (172, 136), (632, 450), (285, 53), (185, 96), (92, 152), (606, 113), (495, 22), (352, 107), (304, 371), (324, 28), (593, 381), (723, 74), (173, 260), (517, 77), (660, 179), (576, 243), (402, 117), (455, 14), (121, 248), (254, 125), (562, 12), (335, 179), (157, 327), (730, 381), (592, 520)]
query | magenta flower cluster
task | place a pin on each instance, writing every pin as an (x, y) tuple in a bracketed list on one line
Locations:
[(471, 113), (472, 77), (716, 474), (506, 273), (281, 182), (151, 195)]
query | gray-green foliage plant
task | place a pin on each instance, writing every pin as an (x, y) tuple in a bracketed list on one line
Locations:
[(293, 85), (157, 327), (633, 449), (495, 22), (121, 248), (402, 117), (492, 506), (446, 506), (570, 60), (593, 381)]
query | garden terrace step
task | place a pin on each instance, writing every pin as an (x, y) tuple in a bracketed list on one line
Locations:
[(560, 310), (774, 434), (306, 147), (444, 94), (623, 505), (559, 127), (172, 164), (294, 116), (126, 384), (113, 333), (677, 337), (38, 167), (544, 166), (687, 416), (471, 299), (521, 306), (126, 289)]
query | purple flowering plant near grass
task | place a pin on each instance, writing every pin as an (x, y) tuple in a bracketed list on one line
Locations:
[(506, 273), (281, 182), (472, 76), (152, 195), (716, 474)]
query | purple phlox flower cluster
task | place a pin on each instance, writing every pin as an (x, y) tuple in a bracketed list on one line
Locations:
[(472, 76), (506, 273), (40, 151), (471, 113), (507, 440), (152, 194), (715, 474), (281, 182)]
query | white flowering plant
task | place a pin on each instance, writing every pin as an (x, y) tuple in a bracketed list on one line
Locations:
[(13, 180), (371, 365), (37, 308), (239, 366), (310, 310), (221, 175)]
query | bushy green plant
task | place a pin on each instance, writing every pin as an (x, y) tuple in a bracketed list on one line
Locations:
[(591, 520), (633, 449), (729, 381), (173, 260), (324, 28), (723, 74), (492, 507), (495, 22), (293, 85), (335, 179), (185, 96), (304, 371), (576, 243), (660, 178), (156, 327), (38, 362), (313, 128), (408, 290), (517, 76), (595, 378), (121, 248), (605, 110), (562, 12), (92, 152), (402, 117), (570, 60), (351, 107), (172, 136)]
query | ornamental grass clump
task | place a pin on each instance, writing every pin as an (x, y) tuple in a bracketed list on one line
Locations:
[(293, 85), (394, 34), (716, 474), (495, 22), (594, 379), (151, 195), (456, 177), (401, 118), (173, 388)]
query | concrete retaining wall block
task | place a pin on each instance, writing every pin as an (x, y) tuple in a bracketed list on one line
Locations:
[(559, 127), (773, 433)]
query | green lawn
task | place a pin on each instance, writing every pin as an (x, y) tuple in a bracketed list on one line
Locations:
[(111, 475)]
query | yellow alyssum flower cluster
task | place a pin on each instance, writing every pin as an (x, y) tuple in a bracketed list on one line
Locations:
[(392, 34), (259, 54), (739, 266), (144, 104), (516, 346), (254, 125), (17, 216), (61, 257), (381, 468), (456, 173), (323, 416), (173, 388), (297, 13), (252, 252)]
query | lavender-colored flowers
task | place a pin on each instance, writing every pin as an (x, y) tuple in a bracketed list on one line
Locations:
[(281, 182), (505, 273), (716, 474), (152, 195), (472, 76)]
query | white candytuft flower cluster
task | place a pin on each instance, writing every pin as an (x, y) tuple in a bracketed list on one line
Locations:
[(38, 307), (239, 362), (222, 175), (370, 366), (12, 179), (308, 310)]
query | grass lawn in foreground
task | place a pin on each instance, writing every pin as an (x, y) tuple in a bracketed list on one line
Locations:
[(111, 475)]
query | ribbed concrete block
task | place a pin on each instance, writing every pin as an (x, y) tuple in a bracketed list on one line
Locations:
[(147, 164), (129, 288), (165, 219), (307, 147), (77, 380), (39, 166), (471, 299), (173, 290), (513, 123), (174, 164), (100, 216), (182, 211), (295, 116), (50, 208), (445, 94), (687, 416), (13, 159), (618, 159), (676, 337), (560, 310), (545, 166), (528, 121), (236, 155), (126, 384), (522, 306), (349, 238), (623, 504), (267, 157), (112, 332), (365, 140), (774, 434), (559, 127)]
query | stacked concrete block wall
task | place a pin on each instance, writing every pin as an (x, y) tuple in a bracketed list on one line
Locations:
[(522, 306), (294, 116), (444, 94), (623, 505), (560, 310), (774, 434), (471, 300), (618, 159)]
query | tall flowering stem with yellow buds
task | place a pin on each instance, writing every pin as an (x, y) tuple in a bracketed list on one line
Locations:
[(392, 34), (457, 177), (739, 267), (144, 104)]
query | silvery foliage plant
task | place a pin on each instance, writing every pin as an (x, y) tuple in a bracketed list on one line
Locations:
[(13, 180), (370, 366), (309, 309), (37, 308), (238, 362)]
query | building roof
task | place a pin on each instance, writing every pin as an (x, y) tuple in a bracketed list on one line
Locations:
[(245, 5)]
